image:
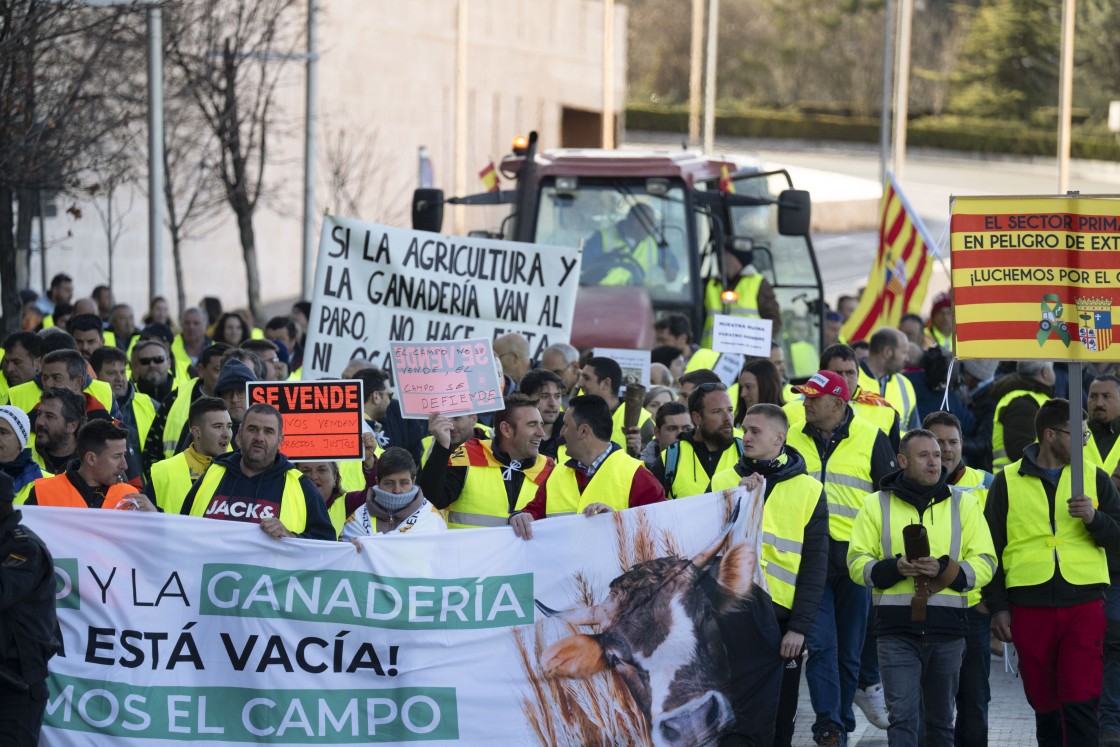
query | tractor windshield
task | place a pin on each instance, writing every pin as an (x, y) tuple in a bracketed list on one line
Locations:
[(633, 232)]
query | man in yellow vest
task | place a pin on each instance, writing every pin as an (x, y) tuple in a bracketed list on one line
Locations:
[(742, 292), (170, 431), (881, 373), (22, 361), (59, 416), (484, 481), (211, 433), (188, 345), (686, 467), (1047, 594), (1018, 398), (627, 252), (941, 320), (87, 331), (603, 377), (547, 389), (598, 477), (794, 540), (841, 359), (65, 368), (258, 485), (95, 482), (137, 409), (1103, 448), (921, 547), (849, 455), (973, 690)]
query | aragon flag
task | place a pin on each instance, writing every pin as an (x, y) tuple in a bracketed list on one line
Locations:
[(489, 177), (900, 272)]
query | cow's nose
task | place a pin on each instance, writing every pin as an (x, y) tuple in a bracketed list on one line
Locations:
[(699, 721)]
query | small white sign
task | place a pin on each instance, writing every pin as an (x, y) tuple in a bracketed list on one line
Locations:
[(635, 364), (728, 367), (736, 334)]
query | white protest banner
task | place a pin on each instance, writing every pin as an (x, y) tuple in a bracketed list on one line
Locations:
[(451, 378), (737, 334), (181, 629), (375, 284), (634, 363)]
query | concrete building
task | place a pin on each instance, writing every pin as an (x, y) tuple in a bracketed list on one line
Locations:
[(387, 86)]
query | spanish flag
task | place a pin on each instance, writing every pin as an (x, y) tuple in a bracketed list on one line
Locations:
[(900, 272), (489, 177), (725, 183)]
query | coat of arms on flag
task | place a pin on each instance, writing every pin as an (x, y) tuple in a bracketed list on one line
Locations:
[(1094, 323)]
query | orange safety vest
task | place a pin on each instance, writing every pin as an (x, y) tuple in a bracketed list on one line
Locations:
[(59, 491)]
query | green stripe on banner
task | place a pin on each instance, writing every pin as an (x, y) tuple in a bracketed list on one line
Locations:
[(66, 578), (236, 714), (358, 598)]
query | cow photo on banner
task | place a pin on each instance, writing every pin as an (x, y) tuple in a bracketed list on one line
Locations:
[(647, 627)]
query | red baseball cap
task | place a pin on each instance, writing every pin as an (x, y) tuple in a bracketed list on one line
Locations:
[(825, 382)]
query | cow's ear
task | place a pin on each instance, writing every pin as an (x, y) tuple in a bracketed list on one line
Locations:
[(576, 656), (736, 575)]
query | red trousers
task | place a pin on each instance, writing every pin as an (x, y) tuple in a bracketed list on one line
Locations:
[(1061, 653)]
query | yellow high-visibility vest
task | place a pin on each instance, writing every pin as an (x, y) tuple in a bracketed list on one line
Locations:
[(610, 485)]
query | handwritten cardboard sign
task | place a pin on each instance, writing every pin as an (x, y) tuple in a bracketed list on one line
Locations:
[(635, 364), (736, 334), (322, 419), (451, 378)]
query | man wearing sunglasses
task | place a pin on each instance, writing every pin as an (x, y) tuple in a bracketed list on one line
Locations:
[(151, 369), (1047, 593)]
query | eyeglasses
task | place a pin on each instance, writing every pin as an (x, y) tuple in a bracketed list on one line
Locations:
[(149, 361), (1084, 436)]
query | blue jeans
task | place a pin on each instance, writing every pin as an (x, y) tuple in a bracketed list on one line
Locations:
[(1109, 708), (974, 691), (834, 645), (938, 666), (869, 657)]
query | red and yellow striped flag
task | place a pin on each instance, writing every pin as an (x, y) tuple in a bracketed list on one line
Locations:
[(900, 272), (489, 177), (725, 183)]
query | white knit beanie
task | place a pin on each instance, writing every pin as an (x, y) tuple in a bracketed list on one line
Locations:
[(17, 418)]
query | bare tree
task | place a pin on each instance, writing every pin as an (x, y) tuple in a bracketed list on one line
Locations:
[(360, 182), (56, 106), (230, 54)]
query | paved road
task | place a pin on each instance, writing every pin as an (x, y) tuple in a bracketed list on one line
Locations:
[(1010, 719), (929, 180)]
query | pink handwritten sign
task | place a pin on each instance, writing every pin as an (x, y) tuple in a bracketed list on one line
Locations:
[(451, 378)]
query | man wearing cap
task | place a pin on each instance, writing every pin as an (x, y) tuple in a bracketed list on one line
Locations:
[(849, 455), (16, 460), (27, 615), (231, 388), (941, 320), (95, 482), (258, 485), (746, 293)]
